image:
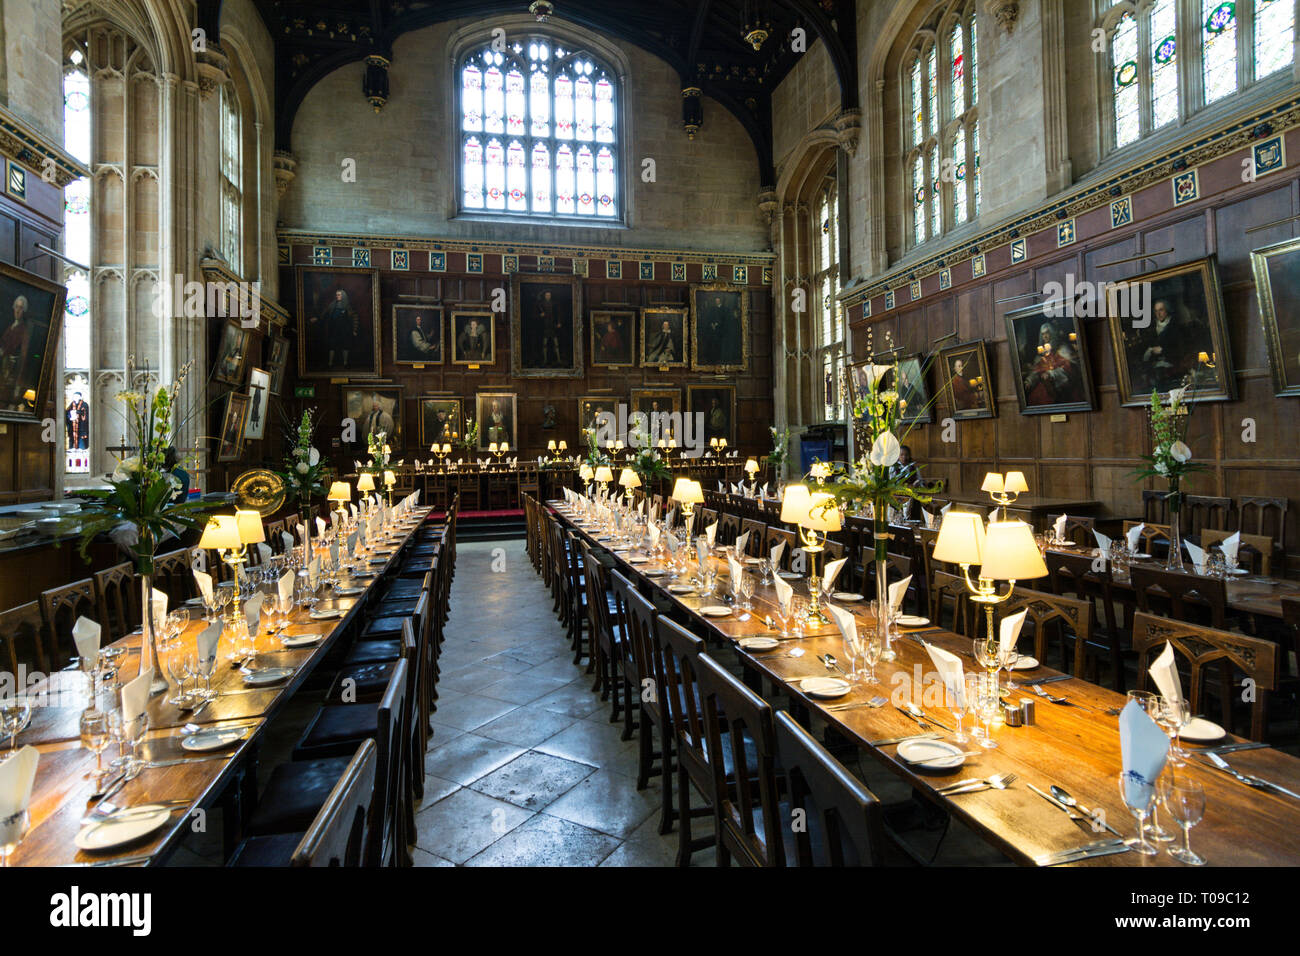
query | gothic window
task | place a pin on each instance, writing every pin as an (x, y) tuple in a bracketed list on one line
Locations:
[(76, 245)]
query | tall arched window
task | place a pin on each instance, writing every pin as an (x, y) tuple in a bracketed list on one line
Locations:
[(539, 132), (941, 135), (76, 246), (825, 230), (232, 195), (1154, 82)]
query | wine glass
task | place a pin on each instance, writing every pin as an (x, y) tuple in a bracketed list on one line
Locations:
[(94, 737), (15, 715), (871, 650), (133, 732), (203, 667), (1008, 656), (784, 613), (988, 705), (1184, 798), (747, 590), (181, 666), (284, 604), (957, 703), (765, 568), (1172, 716), (1138, 795)]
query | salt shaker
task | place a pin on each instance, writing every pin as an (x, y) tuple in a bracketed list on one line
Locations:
[(1027, 712)]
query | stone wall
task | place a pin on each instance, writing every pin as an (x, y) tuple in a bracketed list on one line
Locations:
[(703, 197), (807, 98), (33, 75)]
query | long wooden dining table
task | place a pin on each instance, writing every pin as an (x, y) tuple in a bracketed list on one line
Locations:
[(189, 781), (1072, 745)]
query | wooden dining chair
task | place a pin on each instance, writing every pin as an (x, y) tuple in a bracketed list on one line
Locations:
[(639, 639), (774, 536), (1153, 540), (843, 820), (1255, 551), (1082, 577), (681, 652), (757, 530), (273, 530), (728, 529), (337, 835), (117, 590), (740, 734), (1155, 506), (1201, 647), (1078, 529), (25, 639), (1204, 511), (1291, 619), (60, 607), (1070, 619), (173, 573), (1184, 597), (945, 587), (1264, 515), (605, 642)]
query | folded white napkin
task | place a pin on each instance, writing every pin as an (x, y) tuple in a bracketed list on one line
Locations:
[(135, 695), (776, 556), (1060, 528), (253, 607), (742, 543), (711, 533), (286, 585), (831, 572), (264, 550), (736, 570), (653, 531), (205, 585), (951, 673), (735, 489), (690, 525), (321, 525), (944, 509), (17, 775), (784, 593), (929, 519), (334, 553), (1134, 535), (354, 508), (1198, 556), (287, 539), (898, 591), (1230, 546), (1164, 671), (670, 541), (763, 491), (205, 642), (85, 633), (1009, 629), (845, 621), (722, 487), (313, 573), (1103, 542), (1144, 748), (159, 602)]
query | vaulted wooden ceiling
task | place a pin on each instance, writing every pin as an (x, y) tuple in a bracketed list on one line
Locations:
[(701, 39)]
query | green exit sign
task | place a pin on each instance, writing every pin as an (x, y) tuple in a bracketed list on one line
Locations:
[(304, 391)]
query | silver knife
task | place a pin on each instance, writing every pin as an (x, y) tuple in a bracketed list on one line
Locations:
[(155, 764), (1250, 779), (1045, 680), (122, 861), (1233, 748), (1075, 856), (887, 741)]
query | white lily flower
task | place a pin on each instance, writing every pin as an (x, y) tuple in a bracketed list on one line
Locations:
[(875, 373), (1176, 395), (1180, 451), (313, 458), (885, 450), (302, 467)]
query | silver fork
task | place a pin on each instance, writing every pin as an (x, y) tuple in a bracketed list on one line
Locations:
[(1058, 700), (998, 781)]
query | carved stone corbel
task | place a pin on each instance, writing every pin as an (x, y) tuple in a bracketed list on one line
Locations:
[(213, 69), (848, 126), (1005, 12), (284, 168)]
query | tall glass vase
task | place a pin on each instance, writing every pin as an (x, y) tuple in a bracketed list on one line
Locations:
[(880, 532), (149, 627), (1175, 561)]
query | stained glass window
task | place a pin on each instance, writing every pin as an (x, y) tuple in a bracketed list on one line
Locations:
[(935, 227), (829, 333), (959, 175), (1124, 63), (932, 82), (956, 51), (1164, 64), (1219, 48), (918, 116), (556, 112), (1274, 35), (973, 55), (77, 310), (918, 200), (231, 191)]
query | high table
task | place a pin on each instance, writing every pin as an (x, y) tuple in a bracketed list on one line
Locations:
[(1067, 746), (1032, 509), (192, 779)]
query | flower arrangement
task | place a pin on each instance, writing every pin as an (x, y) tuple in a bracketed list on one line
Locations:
[(469, 441), (780, 447), (1171, 458), (378, 449), (595, 457), (304, 471), (647, 462)]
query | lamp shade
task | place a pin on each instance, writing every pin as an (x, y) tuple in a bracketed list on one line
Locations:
[(221, 532), (751, 466), (688, 492), (550, 445), (446, 449), (823, 512), (585, 472), (250, 527), (628, 479), (340, 491), (492, 447), (390, 478), (365, 481), (794, 504), (564, 445), (505, 447), (992, 483), (1015, 483), (603, 474), (1010, 553), (961, 538)]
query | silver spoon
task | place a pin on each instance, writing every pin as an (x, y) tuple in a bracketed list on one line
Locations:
[(1064, 797)]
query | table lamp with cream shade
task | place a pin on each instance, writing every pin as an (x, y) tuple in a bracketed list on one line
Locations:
[(341, 492), (585, 473), (688, 493), (1004, 489), (813, 512), (551, 446), (563, 447), (365, 481), (390, 479), (604, 476), (628, 480), (230, 536), (1004, 551)]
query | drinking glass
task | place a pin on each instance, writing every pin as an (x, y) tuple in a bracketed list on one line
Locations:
[(133, 732), (1149, 702), (871, 650), (1008, 657), (1184, 798), (1138, 795), (1173, 716), (785, 614), (176, 622), (12, 831), (95, 737), (988, 656), (765, 568), (957, 704), (747, 590), (203, 667), (181, 666), (15, 715), (1215, 566), (989, 705)]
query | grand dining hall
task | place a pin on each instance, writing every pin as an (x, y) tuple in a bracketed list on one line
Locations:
[(603, 434)]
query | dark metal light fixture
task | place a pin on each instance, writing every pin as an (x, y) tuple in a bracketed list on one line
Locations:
[(375, 85), (757, 27), (692, 111), (542, 10)]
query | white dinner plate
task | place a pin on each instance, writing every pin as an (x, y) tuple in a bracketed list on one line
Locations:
[(110, 833), (638, 559), (328, 614), (759, 643), (1139, 557), (1200, 730), (348, 590), (1238, 571), (752, 560), (846, 596), (363, 574), (655, 572), (931, 754), (378, 560), (826, 688), (213, 739), (194, 602), (716, 610), (788, 575), (267, 675), (680, 589), (1025, 664), (912, 620), (300, 640)]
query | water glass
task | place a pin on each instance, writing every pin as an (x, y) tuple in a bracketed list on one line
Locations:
[(1008, 657), (747, 590), (94, 737), (957, 703), (15, 715), (1139, 796), (765, 568), (871, 651), (989, 706), (1184, 798), (1172, 716)]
